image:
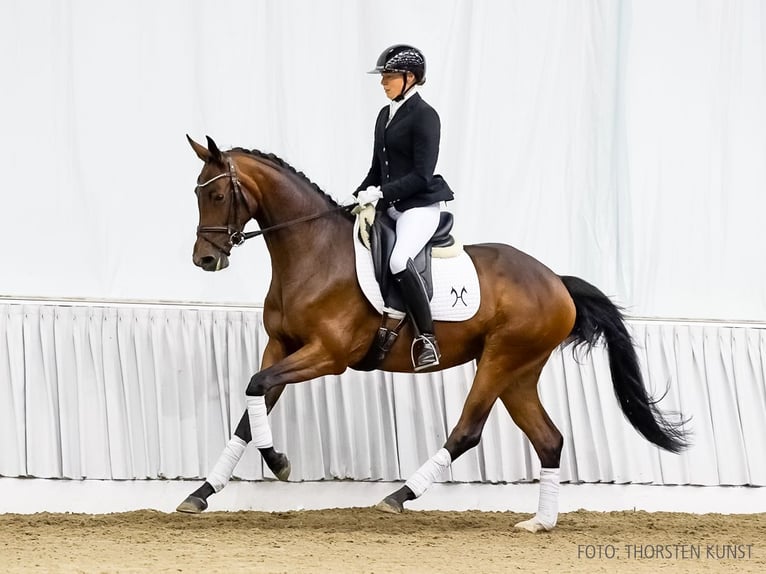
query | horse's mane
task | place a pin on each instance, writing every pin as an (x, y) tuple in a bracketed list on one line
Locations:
[(279, 162)]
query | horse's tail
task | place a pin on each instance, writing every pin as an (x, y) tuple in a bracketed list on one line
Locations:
[(597, 316)]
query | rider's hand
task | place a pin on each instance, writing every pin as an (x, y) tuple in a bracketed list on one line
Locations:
[(369, 195)]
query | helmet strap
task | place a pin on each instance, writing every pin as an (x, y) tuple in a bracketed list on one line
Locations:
[(405, 89)]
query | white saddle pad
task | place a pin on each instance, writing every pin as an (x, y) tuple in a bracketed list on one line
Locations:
[(456, 284)]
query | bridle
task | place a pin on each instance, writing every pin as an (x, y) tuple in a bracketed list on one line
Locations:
[(236, 236)]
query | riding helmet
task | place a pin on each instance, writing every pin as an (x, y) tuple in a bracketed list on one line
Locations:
[(402, 58)]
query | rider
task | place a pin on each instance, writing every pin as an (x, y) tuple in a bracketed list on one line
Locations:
[(402, 182)]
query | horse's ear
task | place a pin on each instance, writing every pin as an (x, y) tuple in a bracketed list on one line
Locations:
[(215, 153), (199, 149)]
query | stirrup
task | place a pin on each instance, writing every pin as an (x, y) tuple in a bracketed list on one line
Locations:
[(431, 359)]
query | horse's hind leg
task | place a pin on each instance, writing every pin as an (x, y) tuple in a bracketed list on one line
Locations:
[(523, 404), (464, 436), (223, 469)]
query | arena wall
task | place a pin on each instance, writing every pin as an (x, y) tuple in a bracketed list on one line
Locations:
[(137, 391)]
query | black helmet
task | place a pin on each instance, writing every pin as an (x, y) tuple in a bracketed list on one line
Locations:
[(402, 58)]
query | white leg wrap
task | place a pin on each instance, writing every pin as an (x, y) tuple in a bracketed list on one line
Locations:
[(429, 472), (548, 504), (259, 422), (224, 468)]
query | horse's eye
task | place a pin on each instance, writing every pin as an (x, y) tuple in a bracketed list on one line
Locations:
[(218, 197)]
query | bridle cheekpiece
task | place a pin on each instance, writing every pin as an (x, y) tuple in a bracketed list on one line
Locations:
[(236, 237)]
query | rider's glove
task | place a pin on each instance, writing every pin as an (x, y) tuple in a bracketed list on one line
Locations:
[(369, 195)]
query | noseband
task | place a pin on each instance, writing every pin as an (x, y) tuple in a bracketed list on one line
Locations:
[(237, 237)]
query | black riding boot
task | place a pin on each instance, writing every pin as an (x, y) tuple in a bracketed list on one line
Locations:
[(425, 351)]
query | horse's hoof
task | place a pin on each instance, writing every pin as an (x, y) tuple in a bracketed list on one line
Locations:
[(533, 525), (192, 505), (283, 472), (390, 505)]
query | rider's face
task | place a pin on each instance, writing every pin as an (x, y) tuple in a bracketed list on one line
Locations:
[(393, 83)]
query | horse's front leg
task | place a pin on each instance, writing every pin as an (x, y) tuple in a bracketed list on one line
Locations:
[(309, 362), (223, 469)]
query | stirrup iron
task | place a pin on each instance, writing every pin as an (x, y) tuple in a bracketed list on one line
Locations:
[(429, 343)]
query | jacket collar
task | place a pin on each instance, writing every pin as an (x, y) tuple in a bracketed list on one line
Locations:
[(404, 108)]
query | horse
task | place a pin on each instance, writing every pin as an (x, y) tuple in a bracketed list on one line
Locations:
[(319, 323)]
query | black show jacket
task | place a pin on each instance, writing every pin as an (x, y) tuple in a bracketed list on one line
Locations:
[(404, 157)]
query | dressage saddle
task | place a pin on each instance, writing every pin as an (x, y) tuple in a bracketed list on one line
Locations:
[(382, 239)]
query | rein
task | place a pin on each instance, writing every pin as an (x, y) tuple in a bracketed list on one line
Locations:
[(236, 236), (251, 234)]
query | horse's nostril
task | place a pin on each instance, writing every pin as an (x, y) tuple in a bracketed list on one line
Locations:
[(212, 262)]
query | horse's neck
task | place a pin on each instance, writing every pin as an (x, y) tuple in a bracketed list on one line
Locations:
[(297, 249)]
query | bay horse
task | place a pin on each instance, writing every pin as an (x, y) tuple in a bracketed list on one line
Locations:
[(319, 323)]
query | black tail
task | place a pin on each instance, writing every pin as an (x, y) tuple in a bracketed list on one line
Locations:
[(597, 316)]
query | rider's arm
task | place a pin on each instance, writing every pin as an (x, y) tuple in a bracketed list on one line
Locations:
[(373, 176)]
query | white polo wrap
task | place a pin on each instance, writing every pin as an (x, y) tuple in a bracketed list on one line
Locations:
[(259, 422), (548, 504), (429, 472), (224, 468)]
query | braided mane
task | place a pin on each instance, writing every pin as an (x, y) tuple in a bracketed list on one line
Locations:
[(279, 162)]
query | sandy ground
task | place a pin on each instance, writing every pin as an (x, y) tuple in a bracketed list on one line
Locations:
[(365, 540)]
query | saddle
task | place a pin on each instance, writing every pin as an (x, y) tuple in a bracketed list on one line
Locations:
[(454, 296), (382, 234)]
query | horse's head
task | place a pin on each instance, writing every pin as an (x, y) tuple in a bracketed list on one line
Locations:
[(223, 208)]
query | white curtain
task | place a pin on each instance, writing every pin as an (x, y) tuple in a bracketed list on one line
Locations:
[(156, 391), (621, 141)]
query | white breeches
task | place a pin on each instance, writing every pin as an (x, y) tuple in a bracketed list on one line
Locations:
[(414, 228)]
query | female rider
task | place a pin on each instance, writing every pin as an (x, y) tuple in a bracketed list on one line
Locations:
[(401, 181)]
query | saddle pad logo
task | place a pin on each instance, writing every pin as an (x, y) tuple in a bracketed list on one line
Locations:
[(459, 296)]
